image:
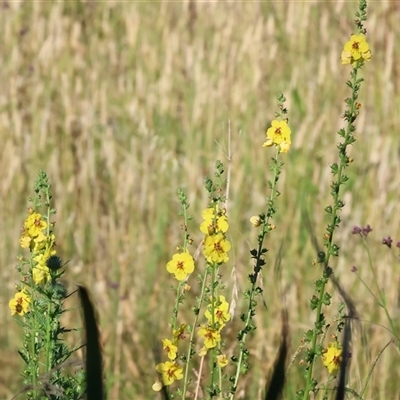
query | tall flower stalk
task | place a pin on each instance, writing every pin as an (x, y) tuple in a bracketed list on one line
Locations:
[(278, 136), (38, 304), (209, 333), (356, 51)]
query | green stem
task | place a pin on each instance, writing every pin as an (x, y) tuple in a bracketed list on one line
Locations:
[(191, 340), (213, 358), (329, 242), (33, 361), (373, 367), (176, 307), (33, 357), (185, 219), (220, 381), (257, 270), (382, 301), (371, 267), (49, 340), (369, 290)]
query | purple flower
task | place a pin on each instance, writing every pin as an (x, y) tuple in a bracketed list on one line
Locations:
[(366, 230), (361, 231), (387, 241)]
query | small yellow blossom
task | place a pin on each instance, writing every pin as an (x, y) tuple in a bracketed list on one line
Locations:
[(40, 271), (216, 248), (20, 303), (356, 50), (279, 132), (181, 265), (40, 274), (214, 223), (202, 352), (332, 357), (170, 349), (157, 386), (268, 143), (170, 372), (284, 146), (255, 220), (43, 256), (40, 240), (211, 336), (25, 241), (34, 224), (221, 313), (179, 334), (222, 360)]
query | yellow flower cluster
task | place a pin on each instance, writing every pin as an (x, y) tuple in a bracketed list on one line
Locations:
[(170, 370), (215, 226), (41, 246), (356, 50), (217, 315), (279, 135)]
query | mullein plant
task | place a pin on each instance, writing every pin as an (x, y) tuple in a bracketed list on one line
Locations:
[(278, 138), (211, 311), (355, 53), (205, 336), (38, 305)]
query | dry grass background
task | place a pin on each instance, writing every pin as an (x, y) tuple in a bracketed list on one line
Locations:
[(124, 102)]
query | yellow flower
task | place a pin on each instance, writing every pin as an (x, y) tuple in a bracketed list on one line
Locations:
[(332, 357), (215, 248), (170, 372), (181, 265), (43, 256), (157, 386), (268, 143), (40, 271), (40, 274), (20, 303), (179, 334), (356, 49), (284, 146), (202, 352), (221, 313), (170, 349), (40, 241), (278, 132), (211, 336), (222, 360), (214, 223), (34, 224), (25, 241), (255, 220)]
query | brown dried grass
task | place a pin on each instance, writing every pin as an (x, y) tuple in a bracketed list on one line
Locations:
[(122, 103)]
